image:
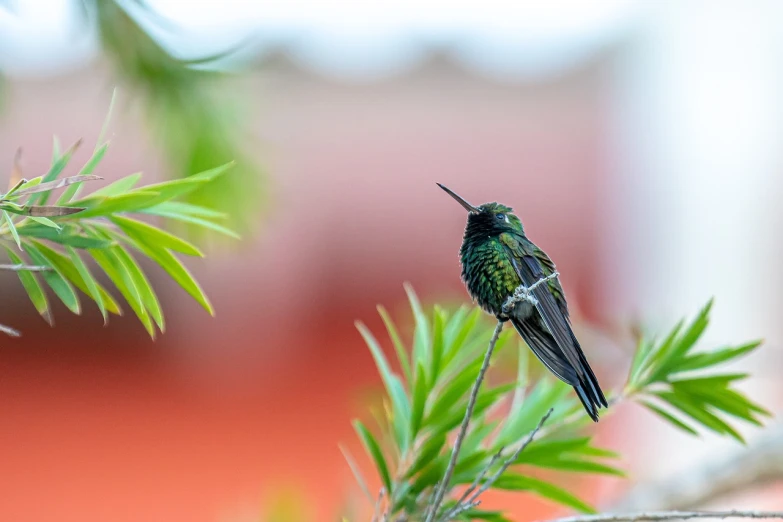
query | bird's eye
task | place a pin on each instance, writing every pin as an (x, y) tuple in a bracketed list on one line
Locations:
[(501, 217)]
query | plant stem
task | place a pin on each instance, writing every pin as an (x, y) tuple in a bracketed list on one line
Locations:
[(670, 515), (444, 485)]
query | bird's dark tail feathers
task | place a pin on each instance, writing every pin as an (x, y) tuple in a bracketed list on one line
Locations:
[(582, 379)]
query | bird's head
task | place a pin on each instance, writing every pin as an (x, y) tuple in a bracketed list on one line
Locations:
[(489, 219)]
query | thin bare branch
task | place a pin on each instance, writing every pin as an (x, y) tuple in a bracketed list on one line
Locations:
[(476, 482), (444, 485), (670, 515), (377, 514), (25, 268), (468, 501)]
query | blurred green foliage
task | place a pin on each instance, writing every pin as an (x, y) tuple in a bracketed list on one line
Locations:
[(196, 126), (426, 401), (104, 228)]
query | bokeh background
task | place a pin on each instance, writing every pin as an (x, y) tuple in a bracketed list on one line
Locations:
[(640, 142)]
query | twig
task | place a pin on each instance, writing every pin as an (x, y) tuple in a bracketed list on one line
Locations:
[(476, 483), (468, 501), (444, 485), (524, 293), (377, 515), (670, 515), (19, 267)]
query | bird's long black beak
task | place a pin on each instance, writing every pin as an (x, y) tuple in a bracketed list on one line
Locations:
[(467, 206)]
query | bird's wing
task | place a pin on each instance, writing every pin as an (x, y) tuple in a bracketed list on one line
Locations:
[(527, 261), (548, 268)]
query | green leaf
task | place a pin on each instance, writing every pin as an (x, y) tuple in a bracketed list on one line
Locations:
[(516, 482), (46, 222), (143, 286), (55, 279), (110, 263), (79, 276), (180, 187), (154, 237), (13, 230), (401, 410), (459, 340), (644, 350), (541, 449), (179, 207), (419, 399), (104, 206), (357, 473), (670, 418), (372, 447), (478, 434), (486, 398), (437, 343), (576, 465), (421, 334), (33, 288), (69, 234), (94, 160), (57, 167), (121, 186), (399, 347), (546, 394), (454, 390), (204, 223), (671, 356), (478, 514), (178, 272), (425, 454), (700, 413), (698, 361), (105, 302)]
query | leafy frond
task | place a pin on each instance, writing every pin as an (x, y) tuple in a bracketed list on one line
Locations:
[(105, 229), (428, 398), (683, 386), (195, 129)]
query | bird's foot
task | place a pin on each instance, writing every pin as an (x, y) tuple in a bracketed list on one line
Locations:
[(525, 293)]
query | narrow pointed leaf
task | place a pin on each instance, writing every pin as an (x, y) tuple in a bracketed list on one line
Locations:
[(399, 347), (153, 236), (91, 286), (57, 168), (357, 473), (143, 286), (68, 268), (33, 288), (55, 279), (516, 482), (12, 229), (121, 186), (120, 276), (400, 404), (419, 399), (421, 333), (372, 447)]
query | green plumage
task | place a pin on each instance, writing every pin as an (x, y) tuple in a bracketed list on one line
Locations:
[(497, 257)]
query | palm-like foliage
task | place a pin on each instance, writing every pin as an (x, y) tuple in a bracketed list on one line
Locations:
[(60, 238), (426, 401)]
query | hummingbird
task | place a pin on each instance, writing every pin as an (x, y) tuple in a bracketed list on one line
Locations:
[(497, 258)]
